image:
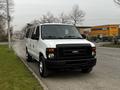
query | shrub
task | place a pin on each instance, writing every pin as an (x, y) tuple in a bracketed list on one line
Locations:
[(3, 38)]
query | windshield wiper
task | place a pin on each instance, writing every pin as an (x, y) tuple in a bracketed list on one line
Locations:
[(64, 37), (53, 37), (49, 37), (72, 37)]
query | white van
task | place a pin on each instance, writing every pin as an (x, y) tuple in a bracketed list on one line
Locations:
[(59, 46)]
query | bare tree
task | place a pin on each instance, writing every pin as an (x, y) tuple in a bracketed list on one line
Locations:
[(2, 25), (117, 2), (48, 18), (64, 18), (3, 8), (76, 15), (4, 14), (2, 17), (35, 21)]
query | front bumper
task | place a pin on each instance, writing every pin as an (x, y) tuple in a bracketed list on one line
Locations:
[(71, 64)]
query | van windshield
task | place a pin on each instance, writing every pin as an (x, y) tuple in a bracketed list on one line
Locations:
[(59, 32)]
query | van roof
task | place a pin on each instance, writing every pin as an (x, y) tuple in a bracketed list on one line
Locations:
[(31, 25), (55, 24)]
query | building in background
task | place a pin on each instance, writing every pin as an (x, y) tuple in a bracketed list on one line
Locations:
[(105, 30), (84, 29)]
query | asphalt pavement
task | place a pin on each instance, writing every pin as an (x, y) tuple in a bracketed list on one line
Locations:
[(105, 75)]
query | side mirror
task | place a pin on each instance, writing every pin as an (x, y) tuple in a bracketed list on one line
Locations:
[(35, 37), (84, 36)]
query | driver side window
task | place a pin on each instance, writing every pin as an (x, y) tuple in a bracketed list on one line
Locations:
[(36, 33)]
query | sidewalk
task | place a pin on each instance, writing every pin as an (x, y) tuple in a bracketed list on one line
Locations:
[(101, 43), (3, 43)]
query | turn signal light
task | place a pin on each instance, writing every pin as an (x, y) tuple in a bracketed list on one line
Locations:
[(94, 51), (51, 50)]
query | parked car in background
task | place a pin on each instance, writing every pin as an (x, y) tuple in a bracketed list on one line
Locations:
[(117, 39)]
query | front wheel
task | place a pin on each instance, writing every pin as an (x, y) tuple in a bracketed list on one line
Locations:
[(87, 70), (42, 67), (28, 57)]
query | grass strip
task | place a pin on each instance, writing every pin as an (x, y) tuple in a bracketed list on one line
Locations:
[(13, 73)]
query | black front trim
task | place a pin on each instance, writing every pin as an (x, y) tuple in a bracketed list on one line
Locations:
[(78, 64)]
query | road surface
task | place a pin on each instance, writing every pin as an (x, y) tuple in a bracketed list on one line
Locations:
[(105, 75)]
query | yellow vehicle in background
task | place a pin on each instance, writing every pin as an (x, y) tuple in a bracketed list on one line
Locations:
[(105, 31)]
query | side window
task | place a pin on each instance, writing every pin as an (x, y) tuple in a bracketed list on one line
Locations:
[(37, 32), (34, 33), (27, 33), (31, 32)]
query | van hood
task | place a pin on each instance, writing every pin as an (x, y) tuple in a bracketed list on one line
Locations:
[(53, 43)]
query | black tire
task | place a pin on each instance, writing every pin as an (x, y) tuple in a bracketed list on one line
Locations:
[(42, 67), (87, 70), (28, 57)]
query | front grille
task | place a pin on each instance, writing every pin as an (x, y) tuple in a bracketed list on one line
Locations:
[(74, 51)]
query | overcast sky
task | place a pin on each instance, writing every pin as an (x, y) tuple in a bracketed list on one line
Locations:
[(98, 12)]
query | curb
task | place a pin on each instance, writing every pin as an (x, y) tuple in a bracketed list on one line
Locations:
[(33, 73)]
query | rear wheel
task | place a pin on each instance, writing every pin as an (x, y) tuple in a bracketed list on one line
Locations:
[(87, 70), (42, 67)]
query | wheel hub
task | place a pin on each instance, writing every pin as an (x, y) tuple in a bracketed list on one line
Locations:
[(41, 67)]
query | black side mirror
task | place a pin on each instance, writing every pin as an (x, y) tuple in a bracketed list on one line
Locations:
[(84, 36), (35, 37)]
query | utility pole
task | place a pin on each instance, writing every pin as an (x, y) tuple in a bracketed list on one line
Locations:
[(8, 24)]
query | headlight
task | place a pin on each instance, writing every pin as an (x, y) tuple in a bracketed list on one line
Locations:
[(50, 52), (51, 56)]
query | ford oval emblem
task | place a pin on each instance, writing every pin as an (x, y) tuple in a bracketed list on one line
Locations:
[(75, 52)]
